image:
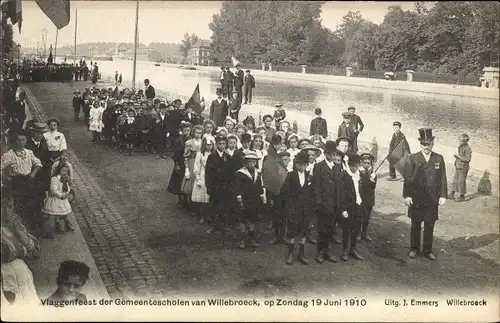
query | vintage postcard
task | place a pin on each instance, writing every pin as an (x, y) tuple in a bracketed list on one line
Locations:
[(295, 161)]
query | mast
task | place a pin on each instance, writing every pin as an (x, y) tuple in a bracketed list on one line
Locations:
[(136, 36), (76, 27), (55, 47)]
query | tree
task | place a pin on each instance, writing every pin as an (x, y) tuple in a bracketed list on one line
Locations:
[(188, 42)]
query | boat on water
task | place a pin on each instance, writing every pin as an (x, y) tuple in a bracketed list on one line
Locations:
[(187, 68), (157, 64)]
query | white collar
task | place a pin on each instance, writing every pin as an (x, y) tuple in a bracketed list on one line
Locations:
[(246, 172), (330, 164)]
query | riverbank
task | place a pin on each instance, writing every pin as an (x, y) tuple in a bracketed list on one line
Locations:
[(403, 86)]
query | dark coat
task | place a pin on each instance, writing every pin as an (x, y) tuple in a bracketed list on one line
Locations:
[(77, 102), (318, 126), (357, 123), (228, 78), (249, 81), (250, 191), (18, 115), (402, 148), (235, 162), (234, 108), (345, 131), (193, 119), (347, 196), (425, 183), (367, 188), (278, 116), (174, 186), (39, 151), (238, 78), (150, 93), (219, 111), (326, 193), (465, 154), (161, 127), (174, 118), (217, 175), (297, 199)]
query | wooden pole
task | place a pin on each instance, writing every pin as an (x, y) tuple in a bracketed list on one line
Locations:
[(55, 47), (76, 27), (135, 42)]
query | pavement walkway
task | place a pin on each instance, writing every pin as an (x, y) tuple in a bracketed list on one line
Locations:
[(138, 236)]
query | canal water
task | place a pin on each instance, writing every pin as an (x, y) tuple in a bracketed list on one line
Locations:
[(449, 116)]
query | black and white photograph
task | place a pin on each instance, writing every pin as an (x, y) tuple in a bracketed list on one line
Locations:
[(250, 161)]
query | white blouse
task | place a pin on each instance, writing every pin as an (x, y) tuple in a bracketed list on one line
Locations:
[(55, 140)]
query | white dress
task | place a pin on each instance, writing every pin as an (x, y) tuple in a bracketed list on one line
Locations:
[(199, 193), (54, 204), (55, 141), (95, 119)]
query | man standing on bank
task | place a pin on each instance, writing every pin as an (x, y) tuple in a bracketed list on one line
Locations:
[(249, 85), (238, 82), (424, 190), (149, 91), (219, 109)]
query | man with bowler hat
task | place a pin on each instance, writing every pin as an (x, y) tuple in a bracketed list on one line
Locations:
[(424, 190)]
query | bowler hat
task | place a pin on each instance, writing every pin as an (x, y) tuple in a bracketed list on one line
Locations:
[(249, 154), (396, 123), (364, 156), (301, 158), (330, 146), (177, 101), (218, 90), (354, 159), (344, 138), (248, 71), (346, 114), (425, 134)]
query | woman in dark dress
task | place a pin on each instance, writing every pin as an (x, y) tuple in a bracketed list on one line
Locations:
[(174, 186)]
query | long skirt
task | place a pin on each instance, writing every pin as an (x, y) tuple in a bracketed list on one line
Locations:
[(187, 184), (200, 194), (174, 186)]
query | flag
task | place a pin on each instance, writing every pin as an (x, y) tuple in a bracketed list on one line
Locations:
[(197, 103), (13, 10), (57, 10), (273, 171), (398, 156)]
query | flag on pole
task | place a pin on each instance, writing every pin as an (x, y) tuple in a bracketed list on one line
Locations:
[(13, 10), (58, 11), (196, 101), (273, 171)]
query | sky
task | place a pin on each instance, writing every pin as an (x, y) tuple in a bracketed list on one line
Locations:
[(159, 21)]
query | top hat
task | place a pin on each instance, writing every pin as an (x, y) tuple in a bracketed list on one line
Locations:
[(425, 134), (396, 123), (249, 154), (330, 146)]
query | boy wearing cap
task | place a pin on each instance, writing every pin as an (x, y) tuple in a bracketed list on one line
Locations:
[(318, 125), (248, 187), (399, 147), (249, 85), (424, 191), (462, 160), (326, 190), (296, 194), (368, 182), (350, 208), (346, 129)]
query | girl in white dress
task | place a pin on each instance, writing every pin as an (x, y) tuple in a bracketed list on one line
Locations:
[(199, 194), (56, 141), (56, 206), (95, 120), (293, 142)]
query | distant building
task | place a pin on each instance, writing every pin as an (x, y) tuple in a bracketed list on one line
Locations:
[(199, 53), (121, 48), (123, 52), (94, 51)]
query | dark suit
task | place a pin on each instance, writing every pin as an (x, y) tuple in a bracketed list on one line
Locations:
[(218, 111), (348, 131), (250, 189), (228, 83), (326, 194), (238, 83), (77, 105), (319, 127), (174, 186), (351, 224), (174, 118), (18, 115), (400, 147), (150, 92), (234, 108), (217, 181), (193, 119), (367, 192), (297, 204), (249, 85), (425, 183), (160, 130)]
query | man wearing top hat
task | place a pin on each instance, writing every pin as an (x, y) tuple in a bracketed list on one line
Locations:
[(248, 85), (346, 129), (219, 109), (424, 190)]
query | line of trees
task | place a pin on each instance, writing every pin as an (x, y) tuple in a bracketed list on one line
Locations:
[(449, 37)]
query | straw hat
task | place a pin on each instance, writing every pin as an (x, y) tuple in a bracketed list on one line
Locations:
[(249, 154)]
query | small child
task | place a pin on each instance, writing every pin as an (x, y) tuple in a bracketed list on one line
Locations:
[(71, 278), (297, 207), (368, 182), (318, 125), (279, 115), (462, 160)]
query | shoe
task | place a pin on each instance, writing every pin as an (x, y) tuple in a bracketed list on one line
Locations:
[(460, 199), (319, 258), (355, 255), (345, 256), (337, 240), (276, 240), (301, 257), (254, 243), (367, 238), (290, 259), (430, 256), (413, 254), (311, 239), (243, 244), (330, 258)]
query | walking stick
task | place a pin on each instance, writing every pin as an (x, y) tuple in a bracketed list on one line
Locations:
[(390, 152)]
